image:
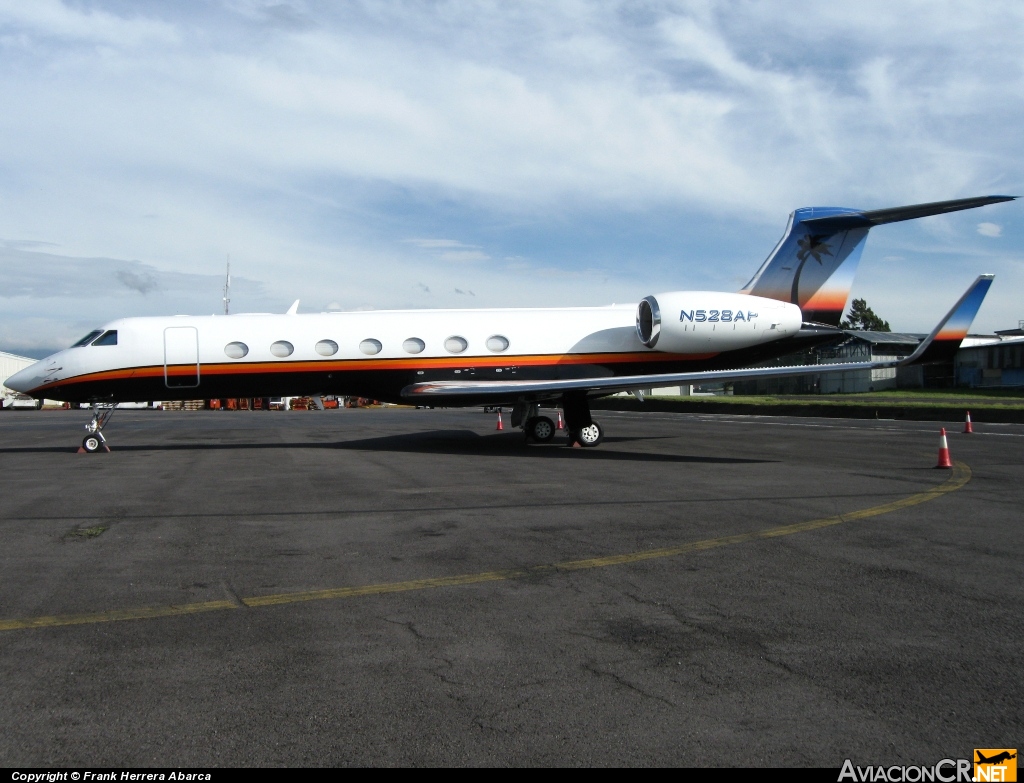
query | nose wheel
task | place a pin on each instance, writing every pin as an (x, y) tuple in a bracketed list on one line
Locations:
[(95, 441)]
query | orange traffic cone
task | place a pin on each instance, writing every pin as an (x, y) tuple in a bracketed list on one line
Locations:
[(944, 461), (500, 425), (967, 425), (561, 425)]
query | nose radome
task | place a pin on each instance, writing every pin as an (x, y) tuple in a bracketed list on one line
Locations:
[(25, 380)]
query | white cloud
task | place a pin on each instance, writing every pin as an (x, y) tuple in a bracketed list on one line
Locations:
[(437, 243), (464, 256), (454, 251), (990, 229), (49, 19), (315, 136)]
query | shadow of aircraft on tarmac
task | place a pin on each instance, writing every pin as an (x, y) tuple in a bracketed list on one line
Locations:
[(452, 442)]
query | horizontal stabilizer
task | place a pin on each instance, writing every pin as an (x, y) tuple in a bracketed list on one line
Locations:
[(878, 217)]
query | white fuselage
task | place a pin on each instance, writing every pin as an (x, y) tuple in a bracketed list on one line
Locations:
[(414, 341)]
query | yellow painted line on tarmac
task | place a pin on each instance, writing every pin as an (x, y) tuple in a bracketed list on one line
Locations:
[(960, 476), (141, 613)]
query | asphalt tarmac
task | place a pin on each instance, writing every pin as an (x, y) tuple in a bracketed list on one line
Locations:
[(410, 587)]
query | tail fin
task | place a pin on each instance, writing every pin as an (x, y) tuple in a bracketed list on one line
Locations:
[(944, 341), (832, 239)]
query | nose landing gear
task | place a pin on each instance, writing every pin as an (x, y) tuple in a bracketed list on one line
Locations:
[(94, 441)]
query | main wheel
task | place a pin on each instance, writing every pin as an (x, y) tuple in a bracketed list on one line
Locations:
[(92, 444), (540, 428), (591, 435)]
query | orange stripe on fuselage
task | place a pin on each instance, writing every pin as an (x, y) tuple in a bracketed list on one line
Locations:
[(348, 365)]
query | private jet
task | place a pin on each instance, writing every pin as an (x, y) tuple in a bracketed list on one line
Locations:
[(520, 358)]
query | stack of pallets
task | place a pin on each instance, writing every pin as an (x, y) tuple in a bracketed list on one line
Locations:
[(186, 405)]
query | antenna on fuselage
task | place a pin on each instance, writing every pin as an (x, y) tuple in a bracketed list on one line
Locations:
[(227, 287)]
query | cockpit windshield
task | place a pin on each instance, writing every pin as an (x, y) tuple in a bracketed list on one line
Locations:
[(88, 338), (108, 338)]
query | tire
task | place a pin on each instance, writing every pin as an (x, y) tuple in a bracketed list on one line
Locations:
[(591, 436), (540, 429), (39, 405), (92, 444)]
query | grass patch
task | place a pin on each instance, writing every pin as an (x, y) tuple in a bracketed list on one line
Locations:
[(981, 399), (929, 395), (85, 533)]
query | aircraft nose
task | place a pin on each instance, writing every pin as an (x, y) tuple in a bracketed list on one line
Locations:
[(25, 380)]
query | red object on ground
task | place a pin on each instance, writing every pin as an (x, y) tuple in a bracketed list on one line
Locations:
[(967, 424), (500, 425), (561, 424), (944, 461)]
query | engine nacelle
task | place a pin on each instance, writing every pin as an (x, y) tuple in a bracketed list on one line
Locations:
[(702, 321)]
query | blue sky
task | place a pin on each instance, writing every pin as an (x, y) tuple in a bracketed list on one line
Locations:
[(490, 154)]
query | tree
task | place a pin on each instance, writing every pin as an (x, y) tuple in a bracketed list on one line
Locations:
[(863, 317)]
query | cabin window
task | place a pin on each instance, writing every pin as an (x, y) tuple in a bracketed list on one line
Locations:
[(456, 344), (109, 338), (414, 345), (327, 347), (236, 350), (88, 338), (497, 343), (282, 348), (370, 347)]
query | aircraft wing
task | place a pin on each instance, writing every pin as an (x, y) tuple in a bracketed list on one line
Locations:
[(598, 386), (941, 344)]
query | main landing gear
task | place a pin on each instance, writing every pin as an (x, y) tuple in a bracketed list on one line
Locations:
[(583, 430), (591, 435), (540, 429), (94, 441), (580, 426)]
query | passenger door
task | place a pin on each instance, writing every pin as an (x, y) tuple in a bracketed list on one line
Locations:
[(181, 357)]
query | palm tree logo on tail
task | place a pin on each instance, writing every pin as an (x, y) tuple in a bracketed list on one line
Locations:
[(811, 246)]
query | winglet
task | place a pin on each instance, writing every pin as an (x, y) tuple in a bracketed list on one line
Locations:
[(294, 309), (944, 341)]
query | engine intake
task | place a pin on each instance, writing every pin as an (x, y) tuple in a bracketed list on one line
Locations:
[(703, 321), (648, 321)]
